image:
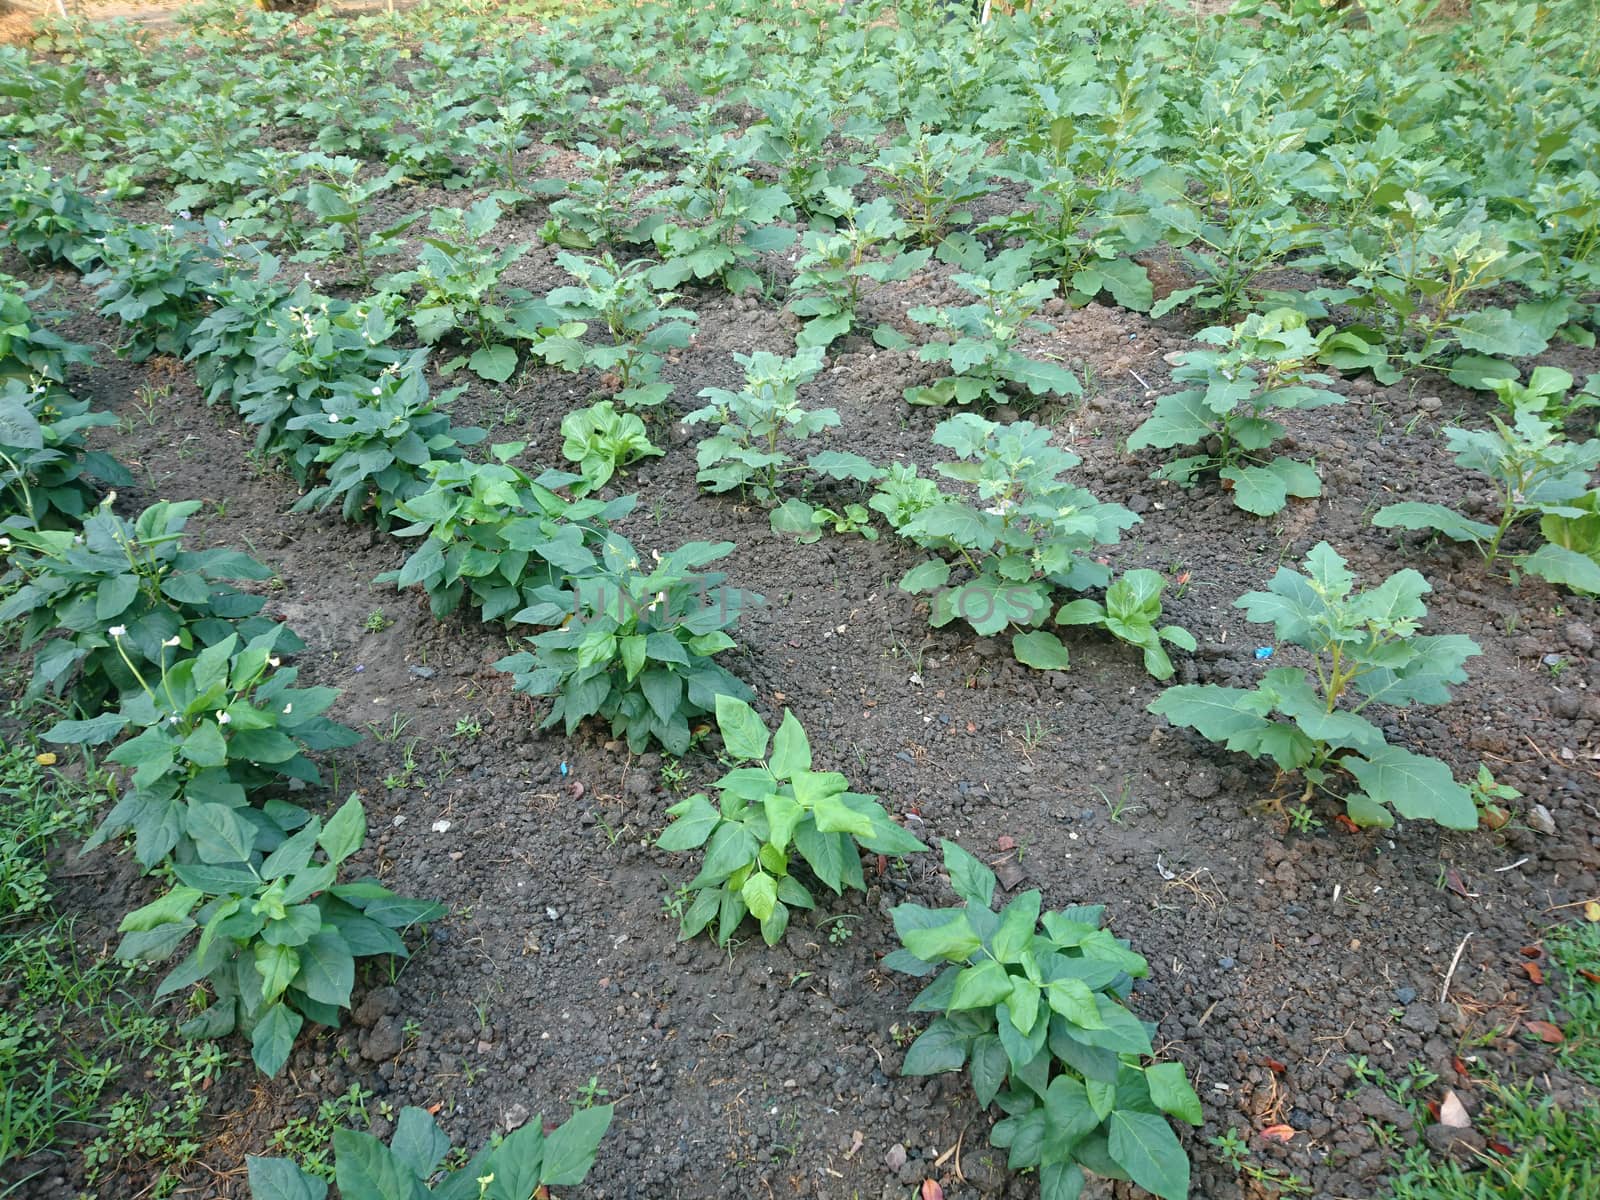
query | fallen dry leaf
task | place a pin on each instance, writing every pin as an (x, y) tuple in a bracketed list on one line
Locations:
[(1279, 1133), (857, 1140), (931, 1190), (1589, 975), (46, 759), (1591, 911), (1535, 971), (1273, 1065), (1546, 1032), (1006, 842), (1452, 1112), (1349, 825)]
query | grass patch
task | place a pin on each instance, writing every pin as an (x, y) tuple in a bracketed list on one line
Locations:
[(1537, 1148), (86, 1072)]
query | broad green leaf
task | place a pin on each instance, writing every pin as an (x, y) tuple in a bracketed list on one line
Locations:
[(1040, 649), (695, 817), (345, 831), (280, 1179), (760, 893), (1412, 514), (1144, 1146), (981, 986), (744, 733), (270, 1044), (791, 750), (1171, 1093), (951, 941), (925, 577), (569, 1150), (972, 880), (1414, 786), (939, 1048)]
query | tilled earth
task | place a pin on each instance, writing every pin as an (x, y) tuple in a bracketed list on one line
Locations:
[(1277, 952)]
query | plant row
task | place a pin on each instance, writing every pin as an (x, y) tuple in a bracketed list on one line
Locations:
[(635, 644)]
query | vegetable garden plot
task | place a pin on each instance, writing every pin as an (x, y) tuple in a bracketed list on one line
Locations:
[(702, 467)]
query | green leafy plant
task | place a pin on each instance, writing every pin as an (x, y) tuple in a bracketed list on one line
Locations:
[(1130, 613), (638, 651), (45, 468), (370, 446), (1027, 532), (865, 247), (806, 523), (758, 424), (154, 279), (716, 222), (72, 588), (1033, 1004), (932, 177), (986, 366), (642, 323), (521, 1165), (773, 812), (602, 441), (338, 194), (1259, 370), (49, 217), (1546, 393), (602, 203), (208, 730), (1417, 269), (458, 274), (1535, 471), (1096, 187), (1365, 650), (279, 936), (492, 531)]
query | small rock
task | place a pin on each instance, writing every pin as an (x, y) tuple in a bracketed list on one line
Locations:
[(1405, 994), (1458, 1143), (378, 1003), (1430, 403), (1578, 635), (1225, 962), (1539, 817), (515, 1117), (422, 672), (1420, 1018), (383, 1041), (896, 1157)]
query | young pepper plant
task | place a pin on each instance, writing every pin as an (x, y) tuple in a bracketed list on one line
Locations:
[(1033, 1004), (1536, 471), (1028, 532), (986, 367), (1365, 650), (826, 291), (1130, 613), (773, 812), (1259, 369)]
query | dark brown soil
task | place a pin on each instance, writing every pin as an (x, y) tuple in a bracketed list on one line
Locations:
[(1276, 955)]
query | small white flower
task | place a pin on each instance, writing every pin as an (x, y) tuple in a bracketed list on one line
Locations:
[(222, 717), (117, 631), (171, 641), (333, 418), (377, 391), (5, 543), (287, 709), (172, 720), (273, 661)]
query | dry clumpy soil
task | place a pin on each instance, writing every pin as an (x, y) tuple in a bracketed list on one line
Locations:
[(1275, 954)]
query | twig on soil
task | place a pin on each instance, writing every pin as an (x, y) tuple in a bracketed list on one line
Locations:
[(1513, 866), (1574, 904), (1451, 973)]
